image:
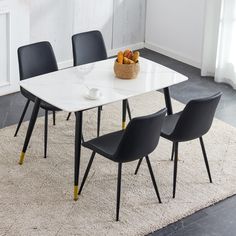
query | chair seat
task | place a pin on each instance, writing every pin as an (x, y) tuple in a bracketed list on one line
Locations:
[(105, 145), (169, 124), (43, 104)]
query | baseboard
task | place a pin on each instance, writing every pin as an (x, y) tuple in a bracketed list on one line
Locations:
[(172, 54), (5, 90), (136, 46), (112, 52), (65, 64)]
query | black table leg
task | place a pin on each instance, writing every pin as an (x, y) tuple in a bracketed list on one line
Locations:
[(30, 129), (99, 120), (78, 137), (169, 110), (54, 117), (168, 101), (129, 111), (46, 134), (124, 110)]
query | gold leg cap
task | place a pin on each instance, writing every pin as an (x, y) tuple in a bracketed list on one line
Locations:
[(123, 125), (22, 157), (76, 190)]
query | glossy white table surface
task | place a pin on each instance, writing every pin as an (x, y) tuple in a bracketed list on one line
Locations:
[(67, 89)]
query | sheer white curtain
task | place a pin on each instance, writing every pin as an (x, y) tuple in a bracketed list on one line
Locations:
[(226, 53), (219, 48), (212, 20)]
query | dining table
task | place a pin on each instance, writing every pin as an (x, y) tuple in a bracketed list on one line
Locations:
[(68, 90)]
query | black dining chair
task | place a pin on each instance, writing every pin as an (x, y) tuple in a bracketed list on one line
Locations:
[(89, 47), (34, 60), (138, 140), (191, 123)]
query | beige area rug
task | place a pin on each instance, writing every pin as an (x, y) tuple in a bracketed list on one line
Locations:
[(37, 198)]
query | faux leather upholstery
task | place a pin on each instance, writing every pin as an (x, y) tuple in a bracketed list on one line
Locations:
[(34, 60), (169, 124), (138, 140), (88, 47), (106, 145), (193, 122)]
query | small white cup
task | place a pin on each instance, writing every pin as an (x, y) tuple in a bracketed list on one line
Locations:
[(94, 93)]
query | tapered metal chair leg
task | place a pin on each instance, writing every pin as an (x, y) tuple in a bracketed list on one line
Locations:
[(173, 152), (45, 133), (205, 159), (54, 117), (175, 168), (138, 166), (30, 129), (129, 111), (118, 191), (87, 172), (99, 120), (22, 117), (68, 117), (153, 178)]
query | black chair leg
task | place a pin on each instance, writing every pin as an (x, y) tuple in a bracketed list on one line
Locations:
[(87, 172), (153, 178), (138, 166), (205, 158), (68, 117), (45, 133), (54, 117), (173, 152), (118, 191), (99, 120), (175, 168), (22, 117), (129, 111)]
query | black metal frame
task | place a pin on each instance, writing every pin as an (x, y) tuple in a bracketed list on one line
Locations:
[(119, 181), (79, 136), (54, 117), (22, 117), (168, 101), (68, 117), (169, 112), (124, 112), (45, 125), (176, 147), (99, 120), (45, 133), (174, 156), (30, 128), (99, 116)]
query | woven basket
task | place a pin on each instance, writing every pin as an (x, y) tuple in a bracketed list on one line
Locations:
[(126, 71)]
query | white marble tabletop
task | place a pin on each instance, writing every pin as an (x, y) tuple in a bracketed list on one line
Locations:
[(67, 89)]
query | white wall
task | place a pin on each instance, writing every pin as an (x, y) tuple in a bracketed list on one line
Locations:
[(122, 23), (129, 22), (52, 20), (175, 28), (14, 32)]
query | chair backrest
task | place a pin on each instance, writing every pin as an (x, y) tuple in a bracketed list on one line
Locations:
[(36, 59), (140, 137), (196, 118), (88, 47)]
